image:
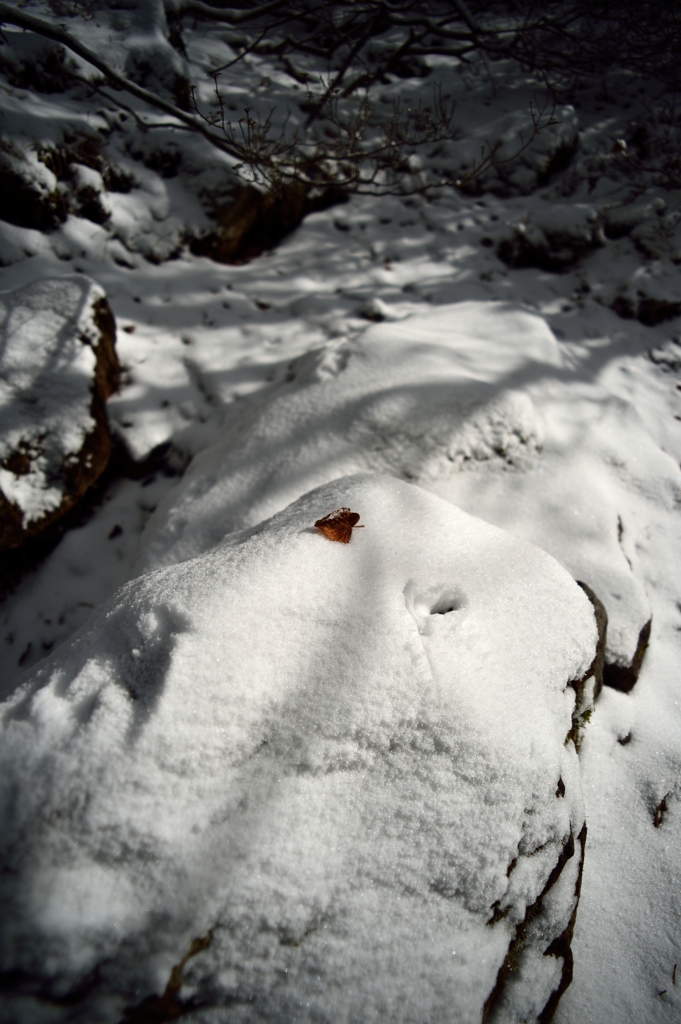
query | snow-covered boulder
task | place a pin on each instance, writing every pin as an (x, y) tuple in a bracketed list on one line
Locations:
[(343, 767), (474, 401), (557, 239), (619, 221), (29, 196), (57, 366)]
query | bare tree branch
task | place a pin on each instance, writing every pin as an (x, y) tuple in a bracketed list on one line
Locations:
[(340, 51), (48, 31)]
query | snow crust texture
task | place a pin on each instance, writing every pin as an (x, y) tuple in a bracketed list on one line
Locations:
[(359, 802)]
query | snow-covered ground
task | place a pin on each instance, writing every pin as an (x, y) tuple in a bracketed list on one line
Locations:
[(383, 336)]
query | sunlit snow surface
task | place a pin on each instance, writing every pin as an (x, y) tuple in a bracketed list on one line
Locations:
[(340, 797), (562, 430)]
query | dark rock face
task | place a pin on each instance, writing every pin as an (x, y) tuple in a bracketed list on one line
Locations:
[(256, 221), (58, 366), (534, 930), (623, 677), (619, 677)]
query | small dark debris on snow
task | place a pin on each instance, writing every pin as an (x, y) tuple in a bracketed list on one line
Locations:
[(660, 811)]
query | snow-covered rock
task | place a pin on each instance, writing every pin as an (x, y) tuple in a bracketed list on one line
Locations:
[(29, 196), (57, 366), (251, 221), (619, 221), (344, 766), (473, 401), (557, 239), (90, 199)]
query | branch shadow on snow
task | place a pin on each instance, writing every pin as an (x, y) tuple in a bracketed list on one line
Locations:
[(334, 438), (309, 429)]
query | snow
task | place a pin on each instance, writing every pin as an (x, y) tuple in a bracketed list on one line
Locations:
[(467, 385), (515, 394), (404, 397), (369, 764), (47, 362)]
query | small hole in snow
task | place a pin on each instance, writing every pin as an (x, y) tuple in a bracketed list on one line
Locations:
[(426, 603), (444, 605)]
